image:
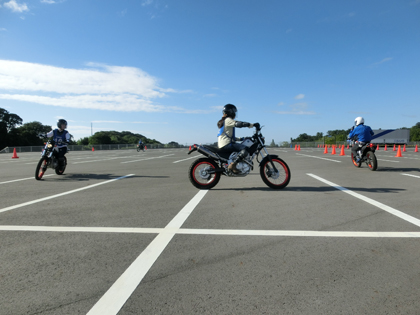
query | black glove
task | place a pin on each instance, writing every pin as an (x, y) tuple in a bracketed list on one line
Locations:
[(257, 125)]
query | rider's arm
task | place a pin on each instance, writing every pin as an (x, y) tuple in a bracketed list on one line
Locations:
[(50, 134), (241, 124), (68, 137)]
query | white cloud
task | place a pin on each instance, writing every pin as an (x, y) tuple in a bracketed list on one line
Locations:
[(382, 61), (3, 29), (299, 96), (100, 86), (16, 7), (48, 1), (146, 2), (297, 109)]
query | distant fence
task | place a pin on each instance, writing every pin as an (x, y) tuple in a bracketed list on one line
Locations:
[(338, 143), (89, 147), (156, 146)]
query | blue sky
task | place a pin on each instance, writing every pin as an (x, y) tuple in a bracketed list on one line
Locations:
[(165, 68)]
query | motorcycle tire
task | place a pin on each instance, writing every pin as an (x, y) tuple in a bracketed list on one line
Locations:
[(277, 180), (357, 164), (59, 170), (198, 173), (138, 149), (372, 162), (41, 168)]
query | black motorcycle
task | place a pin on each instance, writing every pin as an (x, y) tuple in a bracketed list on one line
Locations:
[(49, 160), (205, 173), (365, 154), (140, 147)]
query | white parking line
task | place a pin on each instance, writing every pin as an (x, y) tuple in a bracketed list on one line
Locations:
[(317, 157), (411, 175), (62, 194), (375, 203), (151, 158), (112, 301), (388, 161), (292, 233), (18, 180), (193, 157)]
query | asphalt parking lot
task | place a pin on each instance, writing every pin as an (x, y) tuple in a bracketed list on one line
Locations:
[(124, 232)]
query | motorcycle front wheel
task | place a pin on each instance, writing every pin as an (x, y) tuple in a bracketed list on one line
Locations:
[(199, 173), (273, 179), (372, 162), (41, 168), (60, 169)]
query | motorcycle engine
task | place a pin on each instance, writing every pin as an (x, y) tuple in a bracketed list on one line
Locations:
[(243, 167)]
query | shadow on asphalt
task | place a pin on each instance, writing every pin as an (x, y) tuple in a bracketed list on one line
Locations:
[(314, 189), (398, 169), (86, 177)]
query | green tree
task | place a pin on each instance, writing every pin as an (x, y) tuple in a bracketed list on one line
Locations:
[(8, 122), (28, 133), (415, 132), (83, 141)]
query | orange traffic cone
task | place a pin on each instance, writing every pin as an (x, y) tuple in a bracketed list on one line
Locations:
[(348, 146), (416, 149), (93, 149), (326, 149), (145, 147), (377, 147), (14, 154), (394, 148), (299, 147), (385, 149), (404, 150), (399, 152), (295, 147), (333, 150), (342, 151)]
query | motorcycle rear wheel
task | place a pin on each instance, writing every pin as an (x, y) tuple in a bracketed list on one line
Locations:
[(41, 168), (357, 164), (372, 161), (199, 176), (274, 180)]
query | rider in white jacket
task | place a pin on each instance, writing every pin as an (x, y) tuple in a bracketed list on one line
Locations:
[(226, 136)]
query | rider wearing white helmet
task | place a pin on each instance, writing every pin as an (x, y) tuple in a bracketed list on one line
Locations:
[(361, 133)]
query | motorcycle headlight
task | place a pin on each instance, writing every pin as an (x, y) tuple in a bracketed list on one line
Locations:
[(49, 145)]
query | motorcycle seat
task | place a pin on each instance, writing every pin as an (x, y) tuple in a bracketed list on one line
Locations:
[(223, 152)]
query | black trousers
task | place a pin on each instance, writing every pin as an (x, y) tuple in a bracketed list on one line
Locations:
[(356, 147), (60, 154)]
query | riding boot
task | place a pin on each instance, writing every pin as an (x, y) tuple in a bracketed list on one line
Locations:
[(232, 168), (241, 155)]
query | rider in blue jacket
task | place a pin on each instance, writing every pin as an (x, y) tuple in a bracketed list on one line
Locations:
[(61, 137), (362, 134)]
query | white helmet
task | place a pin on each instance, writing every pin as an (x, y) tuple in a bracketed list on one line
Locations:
[(358, 121)]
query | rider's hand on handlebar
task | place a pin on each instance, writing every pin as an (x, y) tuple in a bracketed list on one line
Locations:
[(257, 125)]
